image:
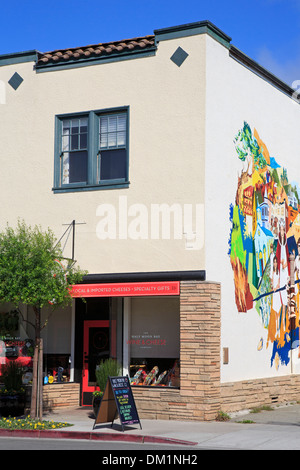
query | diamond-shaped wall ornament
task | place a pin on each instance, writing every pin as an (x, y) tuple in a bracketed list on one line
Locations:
[(15, 81), (179, 56)]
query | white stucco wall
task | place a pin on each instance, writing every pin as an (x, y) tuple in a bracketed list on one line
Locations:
[(234, 95), (166, 152)]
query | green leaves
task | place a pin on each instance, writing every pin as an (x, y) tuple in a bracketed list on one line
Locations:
[(31, 268)]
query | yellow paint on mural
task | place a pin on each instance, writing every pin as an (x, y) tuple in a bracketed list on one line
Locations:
[(272, 329), (256, 178), (294, 230)]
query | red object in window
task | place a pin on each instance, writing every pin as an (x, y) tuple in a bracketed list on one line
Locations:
[(23, 361)]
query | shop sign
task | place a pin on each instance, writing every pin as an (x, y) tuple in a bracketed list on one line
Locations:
[(126, 289)]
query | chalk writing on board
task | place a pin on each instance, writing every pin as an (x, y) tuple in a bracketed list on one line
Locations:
[(124, 400)]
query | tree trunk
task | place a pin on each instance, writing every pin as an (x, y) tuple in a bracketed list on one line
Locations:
[(36, 410), (34, 382), (40, 380)]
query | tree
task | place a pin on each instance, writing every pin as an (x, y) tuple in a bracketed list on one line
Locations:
[(32, 272)]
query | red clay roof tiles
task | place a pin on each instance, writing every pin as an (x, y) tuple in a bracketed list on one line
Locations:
[(94, 51)]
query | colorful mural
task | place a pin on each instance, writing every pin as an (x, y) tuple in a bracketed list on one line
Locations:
[(264, 245)]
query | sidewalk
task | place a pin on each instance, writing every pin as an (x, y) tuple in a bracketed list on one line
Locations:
[(278, 429)]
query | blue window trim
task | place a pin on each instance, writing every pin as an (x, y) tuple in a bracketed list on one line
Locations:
[(93, 151)]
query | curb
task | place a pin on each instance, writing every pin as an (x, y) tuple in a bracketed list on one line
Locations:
[(92, 436)]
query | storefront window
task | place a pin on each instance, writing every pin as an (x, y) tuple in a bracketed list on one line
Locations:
[(56, 345), (20, 351), (153, 341), (57, 368)]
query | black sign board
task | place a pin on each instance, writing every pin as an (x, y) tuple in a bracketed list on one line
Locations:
[(118, 400)]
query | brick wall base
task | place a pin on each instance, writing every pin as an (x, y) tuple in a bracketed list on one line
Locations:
[(247, 394), (61, 395)]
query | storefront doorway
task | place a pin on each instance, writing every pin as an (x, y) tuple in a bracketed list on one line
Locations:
[(136, 323), (96, 347)]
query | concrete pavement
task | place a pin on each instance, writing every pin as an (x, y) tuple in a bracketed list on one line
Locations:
[(278, 429)]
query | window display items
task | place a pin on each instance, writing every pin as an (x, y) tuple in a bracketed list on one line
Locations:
[(167, 378), (154, 341)]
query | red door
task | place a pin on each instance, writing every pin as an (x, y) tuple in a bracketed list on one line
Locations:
[(95, 348)]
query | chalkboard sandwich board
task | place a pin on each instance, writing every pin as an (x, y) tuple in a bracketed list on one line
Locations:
[(118, 399)]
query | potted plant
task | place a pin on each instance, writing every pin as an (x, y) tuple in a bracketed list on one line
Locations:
[(12, 394), (107, 368)]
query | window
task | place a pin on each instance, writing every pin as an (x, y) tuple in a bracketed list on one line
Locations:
[(91, 150), (153, 340)]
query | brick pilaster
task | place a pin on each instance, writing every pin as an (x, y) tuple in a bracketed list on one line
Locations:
[(198, 397), (200, 329)]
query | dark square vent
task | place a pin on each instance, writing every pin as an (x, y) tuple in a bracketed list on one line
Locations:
[(15, 81), (179, 56)]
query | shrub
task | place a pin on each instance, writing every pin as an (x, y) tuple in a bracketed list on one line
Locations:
[(12, 374), (221, 416), (28, 423), (109, 367)]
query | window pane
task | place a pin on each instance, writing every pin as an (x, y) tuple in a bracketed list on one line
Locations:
[(78, 167), (83, 125), (113, 164), (121, 122), (65, 169), (65, 143), (103, 131), (83, 141), (83, 133), (112, 139), (74, 142), (121, 139), (103, 124), (103, 141), (112, 123), (75, 126), (113, 131), (66, 126)]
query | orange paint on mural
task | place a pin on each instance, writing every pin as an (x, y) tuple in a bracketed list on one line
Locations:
[(263, 147)]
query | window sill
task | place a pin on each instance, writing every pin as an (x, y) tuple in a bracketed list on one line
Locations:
[(98, 187)]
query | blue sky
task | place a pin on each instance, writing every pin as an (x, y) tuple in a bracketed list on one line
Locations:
[(266, 30)]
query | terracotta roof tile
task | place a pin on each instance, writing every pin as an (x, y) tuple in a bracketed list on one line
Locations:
[(97, 50)]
